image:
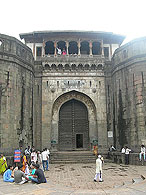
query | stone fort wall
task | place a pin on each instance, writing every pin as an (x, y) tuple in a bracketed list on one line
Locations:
[(53, 87), (16, 94), (28, 102), (127, 101)]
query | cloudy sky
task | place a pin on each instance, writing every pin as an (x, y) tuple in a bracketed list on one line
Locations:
[(126, 17)]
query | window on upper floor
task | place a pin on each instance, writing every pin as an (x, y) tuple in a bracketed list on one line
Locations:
[(73, 47), (96, 48), (39, 51), (106, 51), (85, 48), (49, 48)]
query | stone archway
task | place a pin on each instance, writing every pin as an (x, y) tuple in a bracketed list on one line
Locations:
[(89, 104)]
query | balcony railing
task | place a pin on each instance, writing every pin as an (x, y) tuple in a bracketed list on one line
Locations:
[(72, 58)]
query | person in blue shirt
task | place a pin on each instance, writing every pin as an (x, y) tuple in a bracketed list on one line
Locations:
[(7, 174)]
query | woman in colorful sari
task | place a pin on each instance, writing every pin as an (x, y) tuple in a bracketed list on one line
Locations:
[(3, 164), (24, 162), (7, 177)]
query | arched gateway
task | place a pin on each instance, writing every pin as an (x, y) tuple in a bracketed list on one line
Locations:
[(74, 123), (73, 126)]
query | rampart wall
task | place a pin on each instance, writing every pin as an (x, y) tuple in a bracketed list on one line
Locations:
[(128, 95), (16, 94)]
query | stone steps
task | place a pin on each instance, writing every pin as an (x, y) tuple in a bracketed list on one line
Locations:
[(72, 157)]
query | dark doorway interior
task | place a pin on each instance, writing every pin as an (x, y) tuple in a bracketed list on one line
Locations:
[(79, 140)]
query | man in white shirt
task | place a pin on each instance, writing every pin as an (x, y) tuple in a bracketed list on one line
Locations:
[(142, 152), (59, 52), (127, 151), (123, 151), (45, 160), (48, 153), (98, 169)]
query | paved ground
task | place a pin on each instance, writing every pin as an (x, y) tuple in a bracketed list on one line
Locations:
[(78, 179)]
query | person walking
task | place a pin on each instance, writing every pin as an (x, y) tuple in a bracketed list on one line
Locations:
[(98, 169), (48, 157), (45, 160)]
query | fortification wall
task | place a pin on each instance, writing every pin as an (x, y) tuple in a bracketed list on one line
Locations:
[(128, 94), (16, 93)]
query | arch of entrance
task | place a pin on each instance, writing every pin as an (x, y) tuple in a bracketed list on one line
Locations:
[(92, 116)]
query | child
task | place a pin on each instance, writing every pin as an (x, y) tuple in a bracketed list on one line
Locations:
[(27, 169)]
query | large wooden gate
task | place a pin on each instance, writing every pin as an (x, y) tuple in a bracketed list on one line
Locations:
[(73, 126)]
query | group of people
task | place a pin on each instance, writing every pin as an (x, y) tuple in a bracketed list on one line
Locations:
[(30, 159), (40, 161), (31, 156), (61, 52), (18, 176), (126, 151)]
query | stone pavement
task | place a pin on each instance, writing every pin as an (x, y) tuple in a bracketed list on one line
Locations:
[(77, 179)]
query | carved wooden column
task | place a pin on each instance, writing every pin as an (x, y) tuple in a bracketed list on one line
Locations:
[(79, 45), (55, 46), (67, 45), (44, 44), (34, 50), (102, 49), (110, 51), (90, 46)]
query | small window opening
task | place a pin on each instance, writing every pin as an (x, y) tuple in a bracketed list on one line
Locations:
[(85, 48), (96, 48), (78, 83), (61, 45), (99, 83), (39, 51), (49, 48), (47, 84), (73, 48), (106, 51), (90, 83), (57, 83)]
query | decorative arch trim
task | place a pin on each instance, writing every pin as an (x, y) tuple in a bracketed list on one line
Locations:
[(74, 95)]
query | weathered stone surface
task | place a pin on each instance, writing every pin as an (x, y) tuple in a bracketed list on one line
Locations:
[(32, 92), (16, 89)]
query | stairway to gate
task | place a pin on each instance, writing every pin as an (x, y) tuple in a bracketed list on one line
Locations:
[(72, 157)]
